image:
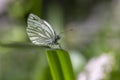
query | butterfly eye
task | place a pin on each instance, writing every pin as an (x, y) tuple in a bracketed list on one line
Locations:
[(57, 37)]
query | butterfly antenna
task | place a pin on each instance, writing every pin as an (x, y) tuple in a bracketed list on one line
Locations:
[(65, 31)]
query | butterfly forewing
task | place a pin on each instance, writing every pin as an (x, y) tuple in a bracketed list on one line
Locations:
[(39, 31)]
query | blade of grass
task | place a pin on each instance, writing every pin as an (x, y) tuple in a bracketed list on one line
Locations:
[(66, 65), (54, 65), (21, 45), (60, 65)]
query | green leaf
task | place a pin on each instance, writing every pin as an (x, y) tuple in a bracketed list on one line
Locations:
[(60, 65)]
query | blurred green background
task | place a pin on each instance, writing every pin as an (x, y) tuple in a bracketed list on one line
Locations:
[(93, 43)]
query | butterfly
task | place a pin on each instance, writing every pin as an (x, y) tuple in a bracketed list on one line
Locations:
[(40, 32)]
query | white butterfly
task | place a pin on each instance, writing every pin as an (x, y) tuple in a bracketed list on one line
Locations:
[(40, 32)]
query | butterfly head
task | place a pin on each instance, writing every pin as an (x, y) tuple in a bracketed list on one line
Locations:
[(56, 39)]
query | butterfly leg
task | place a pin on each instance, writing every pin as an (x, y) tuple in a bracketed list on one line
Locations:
[(59, 46), (50, 45)]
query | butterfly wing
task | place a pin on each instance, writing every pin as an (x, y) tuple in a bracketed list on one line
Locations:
[(39, 31)]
